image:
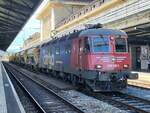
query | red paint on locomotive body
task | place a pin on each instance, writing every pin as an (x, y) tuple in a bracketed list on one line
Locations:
[(74, 55), (109, 61)]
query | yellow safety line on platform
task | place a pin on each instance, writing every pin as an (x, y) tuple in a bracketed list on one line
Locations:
[(96, 11)]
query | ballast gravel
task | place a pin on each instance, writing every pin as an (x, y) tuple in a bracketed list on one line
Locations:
[(89, 104)]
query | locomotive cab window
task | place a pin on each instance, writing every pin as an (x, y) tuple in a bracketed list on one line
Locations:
[(86, 45), (120, 45), (100, 44)]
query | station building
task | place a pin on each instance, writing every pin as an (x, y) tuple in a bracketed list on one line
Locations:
[(34, 39), (133, 16)]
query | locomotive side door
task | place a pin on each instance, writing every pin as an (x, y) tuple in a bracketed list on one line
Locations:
[(77, 56), (80, 53)]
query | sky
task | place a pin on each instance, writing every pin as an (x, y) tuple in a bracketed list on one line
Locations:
[(32, 26), (2, 53)]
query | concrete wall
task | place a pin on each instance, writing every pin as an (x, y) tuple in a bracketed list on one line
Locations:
[(65, 11), (45, 26)]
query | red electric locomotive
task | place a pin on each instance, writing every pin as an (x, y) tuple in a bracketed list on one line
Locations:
[(101, 57)]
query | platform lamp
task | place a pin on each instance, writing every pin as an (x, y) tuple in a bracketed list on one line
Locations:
[(140, 29)]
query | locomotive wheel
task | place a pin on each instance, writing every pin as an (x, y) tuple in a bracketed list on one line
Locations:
[(55, 74), (88, 84), (64, 77), (74, 81), (68, 77)]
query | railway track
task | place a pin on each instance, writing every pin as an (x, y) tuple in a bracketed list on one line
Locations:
[(125, 102), (120, 100), (47, 100)]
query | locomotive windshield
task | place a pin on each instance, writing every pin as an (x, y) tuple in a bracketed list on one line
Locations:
[(100, 44), (121, 45)]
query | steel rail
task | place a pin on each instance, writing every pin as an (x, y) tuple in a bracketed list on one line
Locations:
[(26, 90), (130, 102)]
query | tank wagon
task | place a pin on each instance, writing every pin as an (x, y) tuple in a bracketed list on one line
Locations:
[(97, 58)]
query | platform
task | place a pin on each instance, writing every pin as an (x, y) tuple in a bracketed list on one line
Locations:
[(143, 80), (9, 101)]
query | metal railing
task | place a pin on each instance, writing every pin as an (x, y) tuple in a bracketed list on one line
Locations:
[(127, 10)]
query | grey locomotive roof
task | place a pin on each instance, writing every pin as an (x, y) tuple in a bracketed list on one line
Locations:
[(100, 31), (88, 32)]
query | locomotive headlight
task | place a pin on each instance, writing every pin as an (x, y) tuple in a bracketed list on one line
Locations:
[(98, 66), (111, 37), (126, 66), (113, 59)]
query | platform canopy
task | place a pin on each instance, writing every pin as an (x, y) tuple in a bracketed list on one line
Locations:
[(13, 16), (139, 34)]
